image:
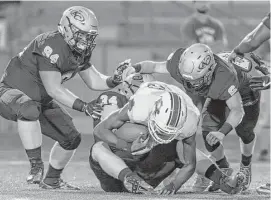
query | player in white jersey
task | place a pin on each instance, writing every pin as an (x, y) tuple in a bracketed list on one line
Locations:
[(171, 119)]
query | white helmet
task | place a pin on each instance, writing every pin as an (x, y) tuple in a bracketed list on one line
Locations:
[(167, 117), (132, 82), (196, 67), (79, 27)]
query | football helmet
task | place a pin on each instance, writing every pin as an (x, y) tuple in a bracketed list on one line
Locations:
[(132, 82), (196, 67), (79, 27), (167, 117)]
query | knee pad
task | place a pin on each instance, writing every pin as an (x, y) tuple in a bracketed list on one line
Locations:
[(209, 147), (29, 111), (71, 144), (247, 137)]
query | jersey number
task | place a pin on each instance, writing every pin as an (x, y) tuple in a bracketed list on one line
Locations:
[(105, 101)]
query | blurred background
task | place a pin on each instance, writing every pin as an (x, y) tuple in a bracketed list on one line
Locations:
[(138, 30)]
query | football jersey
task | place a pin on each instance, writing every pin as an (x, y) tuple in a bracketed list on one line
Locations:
[(110, 102), (227, 80), (22, 71), (142, 102)]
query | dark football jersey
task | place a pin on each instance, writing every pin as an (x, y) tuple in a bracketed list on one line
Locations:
[(266, 21), (227, 80), (22, 71), (110, 102)]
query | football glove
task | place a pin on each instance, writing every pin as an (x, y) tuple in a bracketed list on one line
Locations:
[(167, 190), (260, 82), (261, 66), (141, 145), (123, 70), (93, 109)]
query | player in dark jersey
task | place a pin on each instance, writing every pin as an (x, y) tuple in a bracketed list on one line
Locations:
[(231, 103), (32, 84), (251, 42)]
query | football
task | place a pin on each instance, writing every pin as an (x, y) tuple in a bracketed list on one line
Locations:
[(130, 132)]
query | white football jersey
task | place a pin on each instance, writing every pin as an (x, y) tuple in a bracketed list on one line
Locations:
[(142, 102)]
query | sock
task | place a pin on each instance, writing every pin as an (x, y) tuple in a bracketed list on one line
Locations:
[(214, 174), (52, 175), (223, 163), (246, 160), (123, 173), (34, 154)]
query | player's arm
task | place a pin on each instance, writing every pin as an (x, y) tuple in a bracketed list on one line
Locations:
[(236, 113), (149, 67), (51, 79), (96, 80), (186, 150), (104, 130), (255, 38)]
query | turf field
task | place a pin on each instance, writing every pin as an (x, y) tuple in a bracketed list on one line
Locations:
[(14, 168)]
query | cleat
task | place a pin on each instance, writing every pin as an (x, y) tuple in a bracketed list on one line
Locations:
[(58, 184), (233, 184), (246, 170), (134, 184), (36, 172), (200, 184), (215, 187), (264, 189)]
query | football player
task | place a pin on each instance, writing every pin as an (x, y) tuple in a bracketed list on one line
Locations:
[(32, 84), (172, 120), (251, 42), (231, 103)]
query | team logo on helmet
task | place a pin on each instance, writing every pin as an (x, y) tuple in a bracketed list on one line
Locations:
[(158, 106), (77, 15), (205, 62)]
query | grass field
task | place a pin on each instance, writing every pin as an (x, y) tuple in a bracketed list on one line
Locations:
[(14, 168)]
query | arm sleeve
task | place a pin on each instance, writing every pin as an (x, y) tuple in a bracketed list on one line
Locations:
[(266, 21)]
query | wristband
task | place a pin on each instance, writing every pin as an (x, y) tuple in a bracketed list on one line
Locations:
[(110, 82), (79, 105), (137, 67), (225, 128), (121, 144)]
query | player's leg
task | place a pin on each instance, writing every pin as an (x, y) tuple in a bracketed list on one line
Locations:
[(118, 169), (58, 125), (107, 182), (214, 116), (16, 106), (229, 184), (245, 130)]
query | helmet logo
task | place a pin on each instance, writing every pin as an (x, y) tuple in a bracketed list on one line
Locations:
[(205, 62), (77, 15), (158, 106)]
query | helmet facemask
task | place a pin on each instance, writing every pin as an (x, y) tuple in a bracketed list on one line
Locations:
[(201, 84), (81, 42), (161, 135)]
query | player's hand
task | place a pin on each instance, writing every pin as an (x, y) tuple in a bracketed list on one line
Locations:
[(261, 65), (260, 82), (123, 70), (213, 137), (167, 190), (233, 56), (93, 109)]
